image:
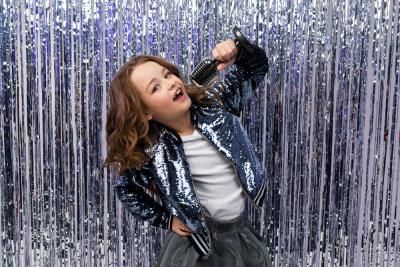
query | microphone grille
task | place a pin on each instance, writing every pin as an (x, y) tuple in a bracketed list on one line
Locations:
[(204, 72)]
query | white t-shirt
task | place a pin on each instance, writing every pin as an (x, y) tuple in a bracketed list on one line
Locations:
[(214, 179)]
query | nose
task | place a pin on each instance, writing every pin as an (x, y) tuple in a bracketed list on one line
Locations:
[(170, 84)]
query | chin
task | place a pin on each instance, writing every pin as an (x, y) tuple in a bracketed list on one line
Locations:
[(189, 101)]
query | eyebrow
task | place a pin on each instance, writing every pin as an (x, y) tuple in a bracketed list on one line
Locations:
[(152, 80)]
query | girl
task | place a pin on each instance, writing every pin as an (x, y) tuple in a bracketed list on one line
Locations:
[(185, 162)]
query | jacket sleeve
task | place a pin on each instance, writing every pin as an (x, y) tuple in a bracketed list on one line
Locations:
[(139, 201), (240, 82)]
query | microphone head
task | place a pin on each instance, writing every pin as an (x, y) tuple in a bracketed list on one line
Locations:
[(204, 72)]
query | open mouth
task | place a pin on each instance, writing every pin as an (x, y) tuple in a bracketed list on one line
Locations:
[(178, 95)]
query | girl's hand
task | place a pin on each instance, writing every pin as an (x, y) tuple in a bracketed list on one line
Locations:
[(225, 52), (179, 228)]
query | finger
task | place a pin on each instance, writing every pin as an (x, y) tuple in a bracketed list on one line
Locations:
[(182, 233), (221, 66), (185, 228), (218, 53), (231, 44), (225, 64), (227, 43), (226, 52), (182, 226), (232, 54), (223, 52), (231, 47)]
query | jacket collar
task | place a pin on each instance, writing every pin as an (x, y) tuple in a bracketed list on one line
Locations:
[(167, 132)]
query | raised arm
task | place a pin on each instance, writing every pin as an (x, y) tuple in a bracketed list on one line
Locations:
[(249, 72), (137, 200)]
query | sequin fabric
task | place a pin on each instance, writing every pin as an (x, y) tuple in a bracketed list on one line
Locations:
[(168, 168)]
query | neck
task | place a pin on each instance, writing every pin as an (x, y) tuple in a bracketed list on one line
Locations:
[(183, 125)]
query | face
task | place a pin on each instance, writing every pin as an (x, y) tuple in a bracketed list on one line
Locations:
[(162, 93)]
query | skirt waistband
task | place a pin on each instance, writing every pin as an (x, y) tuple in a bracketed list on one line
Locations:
[(222, 227)]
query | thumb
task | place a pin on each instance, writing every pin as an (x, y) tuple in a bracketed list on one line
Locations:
[(226, 64)]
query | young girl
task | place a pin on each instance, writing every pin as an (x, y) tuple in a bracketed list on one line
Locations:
[(185, 162)]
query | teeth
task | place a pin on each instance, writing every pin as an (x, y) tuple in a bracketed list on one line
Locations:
[(177, 93)]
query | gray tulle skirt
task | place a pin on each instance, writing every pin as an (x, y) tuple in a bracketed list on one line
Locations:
[(234, 243)]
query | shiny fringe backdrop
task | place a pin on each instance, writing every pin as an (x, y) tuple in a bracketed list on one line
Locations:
[(326, 125)]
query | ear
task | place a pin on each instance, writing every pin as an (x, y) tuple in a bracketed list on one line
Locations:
[(148, 115)]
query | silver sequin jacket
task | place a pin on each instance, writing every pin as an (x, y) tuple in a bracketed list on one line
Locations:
[(168, 168)]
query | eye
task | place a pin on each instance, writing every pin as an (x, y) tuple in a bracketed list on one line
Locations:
[(155, 88)]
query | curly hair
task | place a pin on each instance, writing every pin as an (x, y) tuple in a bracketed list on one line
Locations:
[(129, 133)]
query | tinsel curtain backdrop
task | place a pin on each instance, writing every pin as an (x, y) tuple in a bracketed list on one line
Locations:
[(326, 125)]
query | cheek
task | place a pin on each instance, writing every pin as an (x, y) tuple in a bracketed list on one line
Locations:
[(146, 102), (159, 102)]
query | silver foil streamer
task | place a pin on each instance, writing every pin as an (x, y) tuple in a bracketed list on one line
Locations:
[(326, 125)]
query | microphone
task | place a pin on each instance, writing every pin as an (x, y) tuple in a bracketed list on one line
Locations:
[(206, 70)]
